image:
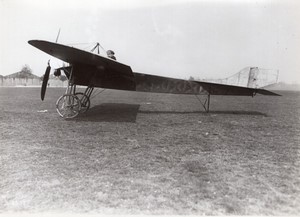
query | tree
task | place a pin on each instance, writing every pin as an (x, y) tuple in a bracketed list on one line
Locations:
[(25, 72), (26, 69)]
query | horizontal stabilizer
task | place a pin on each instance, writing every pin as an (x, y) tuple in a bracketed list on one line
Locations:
[(267, 92)]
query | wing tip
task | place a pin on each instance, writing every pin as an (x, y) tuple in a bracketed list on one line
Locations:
[(32, 42)]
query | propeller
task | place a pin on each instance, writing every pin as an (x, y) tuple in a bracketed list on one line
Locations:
[(45, 81), (47, 73)]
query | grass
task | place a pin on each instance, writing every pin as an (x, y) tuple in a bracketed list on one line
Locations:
[(139, 153)]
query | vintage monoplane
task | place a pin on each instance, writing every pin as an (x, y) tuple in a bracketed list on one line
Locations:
[(94, 70)]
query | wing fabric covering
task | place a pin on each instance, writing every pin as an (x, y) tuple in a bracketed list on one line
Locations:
[(90, 69), (73, 55)]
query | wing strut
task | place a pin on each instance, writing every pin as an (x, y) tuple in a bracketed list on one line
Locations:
[(97, 46), (206, 102)]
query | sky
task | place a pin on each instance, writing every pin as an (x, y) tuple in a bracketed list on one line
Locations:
[(173, 38)]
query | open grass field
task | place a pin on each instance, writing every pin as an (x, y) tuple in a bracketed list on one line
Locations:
[(142, 153)]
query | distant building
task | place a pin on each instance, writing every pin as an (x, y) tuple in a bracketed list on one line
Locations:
[(22, 74), (27, 79), (20, 79)]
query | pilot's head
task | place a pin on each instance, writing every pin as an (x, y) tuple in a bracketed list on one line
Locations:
[(110, 53)]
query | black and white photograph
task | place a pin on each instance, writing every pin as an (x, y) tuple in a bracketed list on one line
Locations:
[(149, 107)]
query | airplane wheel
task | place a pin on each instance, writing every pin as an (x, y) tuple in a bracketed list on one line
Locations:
[(68, 106), (84, 100)]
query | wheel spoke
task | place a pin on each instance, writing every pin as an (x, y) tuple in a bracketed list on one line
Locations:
[(68, 106)]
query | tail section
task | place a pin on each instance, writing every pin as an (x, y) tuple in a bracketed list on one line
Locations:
[(259, 77), (251, 77)]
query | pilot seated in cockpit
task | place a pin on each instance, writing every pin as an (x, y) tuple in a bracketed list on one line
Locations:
[(111, 54)]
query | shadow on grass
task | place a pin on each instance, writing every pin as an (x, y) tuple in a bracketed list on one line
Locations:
[(239, 113), (110, 112), (204, 112), (118, 112)]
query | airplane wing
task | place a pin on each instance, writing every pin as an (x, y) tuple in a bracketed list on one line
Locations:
[(74, 55), (98, 71), (90, 69)]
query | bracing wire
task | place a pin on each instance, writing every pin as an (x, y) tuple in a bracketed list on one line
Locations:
[(203, 104), (96, 94), (196, 95), (57, 36)]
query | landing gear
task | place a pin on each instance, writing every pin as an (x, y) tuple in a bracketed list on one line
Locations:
[(68, 106), (84, 101), (73, 103)]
